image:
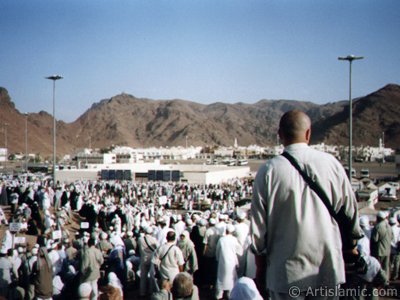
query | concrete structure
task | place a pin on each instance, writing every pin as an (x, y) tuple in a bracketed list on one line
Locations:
[(3, 154), (192, 173)]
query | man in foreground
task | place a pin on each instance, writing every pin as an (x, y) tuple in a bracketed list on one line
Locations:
[(296, 239)]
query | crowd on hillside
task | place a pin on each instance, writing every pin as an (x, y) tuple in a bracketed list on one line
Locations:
[(130, 237)]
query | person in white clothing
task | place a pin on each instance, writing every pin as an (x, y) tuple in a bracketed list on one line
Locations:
[(363, 244), (228, 249), (162, 232), (394, 251), (169, 258), (365, 226), (147, 244), (296, 240), (242, 233), (179, 226)]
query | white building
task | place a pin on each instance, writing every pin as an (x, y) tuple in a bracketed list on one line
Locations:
[(192, 173), (3, 154)]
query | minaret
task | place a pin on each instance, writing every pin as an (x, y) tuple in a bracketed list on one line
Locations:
[(235, 145)]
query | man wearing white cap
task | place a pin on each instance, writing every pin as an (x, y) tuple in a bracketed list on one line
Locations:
[(242, 234), (381, 238), (179, 226), (104, 245), (365, 226), (162, 230), (210, 241), (147, 244), (363, 244), (394, 253), (91, 261), (228, 248), (6, 268), (245, 289)]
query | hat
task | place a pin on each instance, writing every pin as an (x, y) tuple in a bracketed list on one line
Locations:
[(392, 221), (202, 222), (230, 228), (382, 215), (35, 251), (71, 269), (149, 230), (84, 290), (241, 215), (49, 244), (116, 241), (212, 221), (364, 221), (223, 217), (245, 289)]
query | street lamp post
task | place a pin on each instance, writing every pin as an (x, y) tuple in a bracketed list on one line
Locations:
[(5, 146), (350, 59), (26, 142), (54, 78)]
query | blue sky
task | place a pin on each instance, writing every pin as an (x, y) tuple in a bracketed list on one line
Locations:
[(199, 50)]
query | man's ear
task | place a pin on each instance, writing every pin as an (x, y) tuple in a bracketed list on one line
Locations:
[(308, 135), (281, 137)]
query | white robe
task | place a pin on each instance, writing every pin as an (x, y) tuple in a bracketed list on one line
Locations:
[(228, 248)]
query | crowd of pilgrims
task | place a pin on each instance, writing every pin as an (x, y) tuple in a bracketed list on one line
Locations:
[(127, 240)]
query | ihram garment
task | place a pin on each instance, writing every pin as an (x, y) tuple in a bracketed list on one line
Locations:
[(290, 222), (228, 248)]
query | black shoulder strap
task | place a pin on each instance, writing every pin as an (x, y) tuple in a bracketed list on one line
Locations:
[(345, 223), (162, 258), (313, 185), (148, 245)]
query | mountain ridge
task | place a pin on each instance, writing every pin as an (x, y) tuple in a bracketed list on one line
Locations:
[(141, 122)]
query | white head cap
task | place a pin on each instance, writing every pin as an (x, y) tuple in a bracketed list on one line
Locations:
[(241, 215), (364, 221), (382, 214), (245, 289), (84, 290), (230, 228)]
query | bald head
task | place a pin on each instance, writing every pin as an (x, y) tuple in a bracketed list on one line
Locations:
[(295, 127)]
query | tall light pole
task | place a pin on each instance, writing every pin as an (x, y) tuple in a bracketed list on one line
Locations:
[(350, 59), (5, 146), (26, 142), (54, 78)]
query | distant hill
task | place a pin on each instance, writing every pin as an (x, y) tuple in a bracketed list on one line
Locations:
[(130, 121), (374, 116)]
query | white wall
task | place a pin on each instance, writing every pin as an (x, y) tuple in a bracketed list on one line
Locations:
[(67, 176)]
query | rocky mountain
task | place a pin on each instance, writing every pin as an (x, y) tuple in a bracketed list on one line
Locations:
[(130, 121), (375, 116)]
